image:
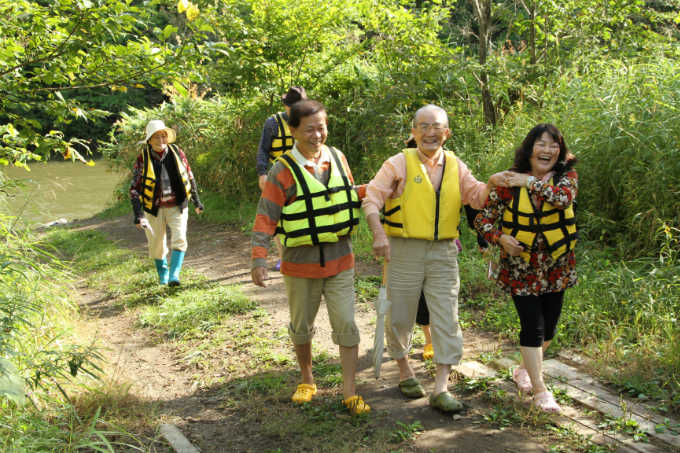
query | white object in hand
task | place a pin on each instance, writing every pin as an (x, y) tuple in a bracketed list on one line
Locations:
[(146, 225)]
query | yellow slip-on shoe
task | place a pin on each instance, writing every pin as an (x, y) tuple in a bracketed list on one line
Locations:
[(428, 352), (356, 405), (304, 393)]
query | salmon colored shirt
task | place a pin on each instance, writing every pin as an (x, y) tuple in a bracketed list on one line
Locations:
[(390, 181)]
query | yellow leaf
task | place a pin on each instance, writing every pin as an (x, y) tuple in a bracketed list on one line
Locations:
[(90, 163), (67, 153), (139, 85), (192, 12), (123, 89), (182, 6)]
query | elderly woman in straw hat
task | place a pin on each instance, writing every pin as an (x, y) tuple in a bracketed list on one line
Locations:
[(162, 184)]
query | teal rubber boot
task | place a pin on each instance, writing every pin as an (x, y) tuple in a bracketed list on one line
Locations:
[(163, 271), (176, 259)]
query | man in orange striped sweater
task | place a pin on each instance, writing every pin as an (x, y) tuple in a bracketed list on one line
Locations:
[(309, 199)]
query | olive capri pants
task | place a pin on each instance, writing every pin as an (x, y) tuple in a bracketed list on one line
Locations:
[(304, 298)]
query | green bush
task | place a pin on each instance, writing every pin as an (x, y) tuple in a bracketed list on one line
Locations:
[(219, 137)]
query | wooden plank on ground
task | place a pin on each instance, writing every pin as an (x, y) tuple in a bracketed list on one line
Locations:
[(593, 402), (585, 390), (570, 418)]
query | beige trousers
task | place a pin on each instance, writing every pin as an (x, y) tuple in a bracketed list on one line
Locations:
[(167, 217), (430, 266)]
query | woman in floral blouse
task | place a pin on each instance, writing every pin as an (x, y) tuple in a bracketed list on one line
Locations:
[(533, 222)]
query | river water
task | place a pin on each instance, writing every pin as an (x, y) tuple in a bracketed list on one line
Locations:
[(61, 190)]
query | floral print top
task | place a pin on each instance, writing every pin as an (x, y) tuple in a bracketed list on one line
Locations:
[(542, 274)]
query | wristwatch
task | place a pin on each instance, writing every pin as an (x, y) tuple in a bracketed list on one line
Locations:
[(530, 180)]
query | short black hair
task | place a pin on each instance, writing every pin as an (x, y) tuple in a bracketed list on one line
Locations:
[(522, 163), (293, 95), (302, 109)]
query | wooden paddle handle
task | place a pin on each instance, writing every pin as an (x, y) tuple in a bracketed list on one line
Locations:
[(384, 274)]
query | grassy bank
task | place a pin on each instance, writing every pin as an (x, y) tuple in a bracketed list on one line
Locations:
[(50, 377)]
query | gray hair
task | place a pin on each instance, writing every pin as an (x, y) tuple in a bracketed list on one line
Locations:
[(431, 107)]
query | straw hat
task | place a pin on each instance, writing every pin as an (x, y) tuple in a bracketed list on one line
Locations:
[(155, 126)]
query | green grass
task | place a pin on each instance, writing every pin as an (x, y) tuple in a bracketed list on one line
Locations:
[(265, 384), (327, 374), (362, 240), (366, 288), (220, 208), (405, 432), (201, 308)]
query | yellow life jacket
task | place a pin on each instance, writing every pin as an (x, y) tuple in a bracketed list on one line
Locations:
[(421, 212), (149, 178), (319, 214), (283, 140), (524, 223)]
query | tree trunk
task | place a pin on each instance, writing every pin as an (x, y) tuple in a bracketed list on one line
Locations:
[(482, 9), (530, 8)]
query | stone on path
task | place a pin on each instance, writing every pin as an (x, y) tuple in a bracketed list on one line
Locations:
[(176, 439)]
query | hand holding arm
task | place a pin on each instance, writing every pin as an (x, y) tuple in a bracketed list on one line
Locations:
[(498, 179), (514, 179)]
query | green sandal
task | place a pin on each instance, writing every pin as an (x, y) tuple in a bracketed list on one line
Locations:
[(411, 388), (445, 402)]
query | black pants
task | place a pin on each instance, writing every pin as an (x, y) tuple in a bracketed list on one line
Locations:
[(538, 316), (423, 315)]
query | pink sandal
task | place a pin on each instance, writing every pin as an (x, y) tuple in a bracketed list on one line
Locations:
[(546, 402), (522, 379)]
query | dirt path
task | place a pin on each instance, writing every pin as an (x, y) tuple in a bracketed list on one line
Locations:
[(158, 373)]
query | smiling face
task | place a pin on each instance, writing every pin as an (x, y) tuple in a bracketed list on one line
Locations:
[(430, 131), (311, 134), (159, 141), (544, 155)]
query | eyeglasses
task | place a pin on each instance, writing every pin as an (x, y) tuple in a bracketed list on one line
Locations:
[(426, 126)]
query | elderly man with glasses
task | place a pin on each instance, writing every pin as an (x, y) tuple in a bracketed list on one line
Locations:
[(422, 191)]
